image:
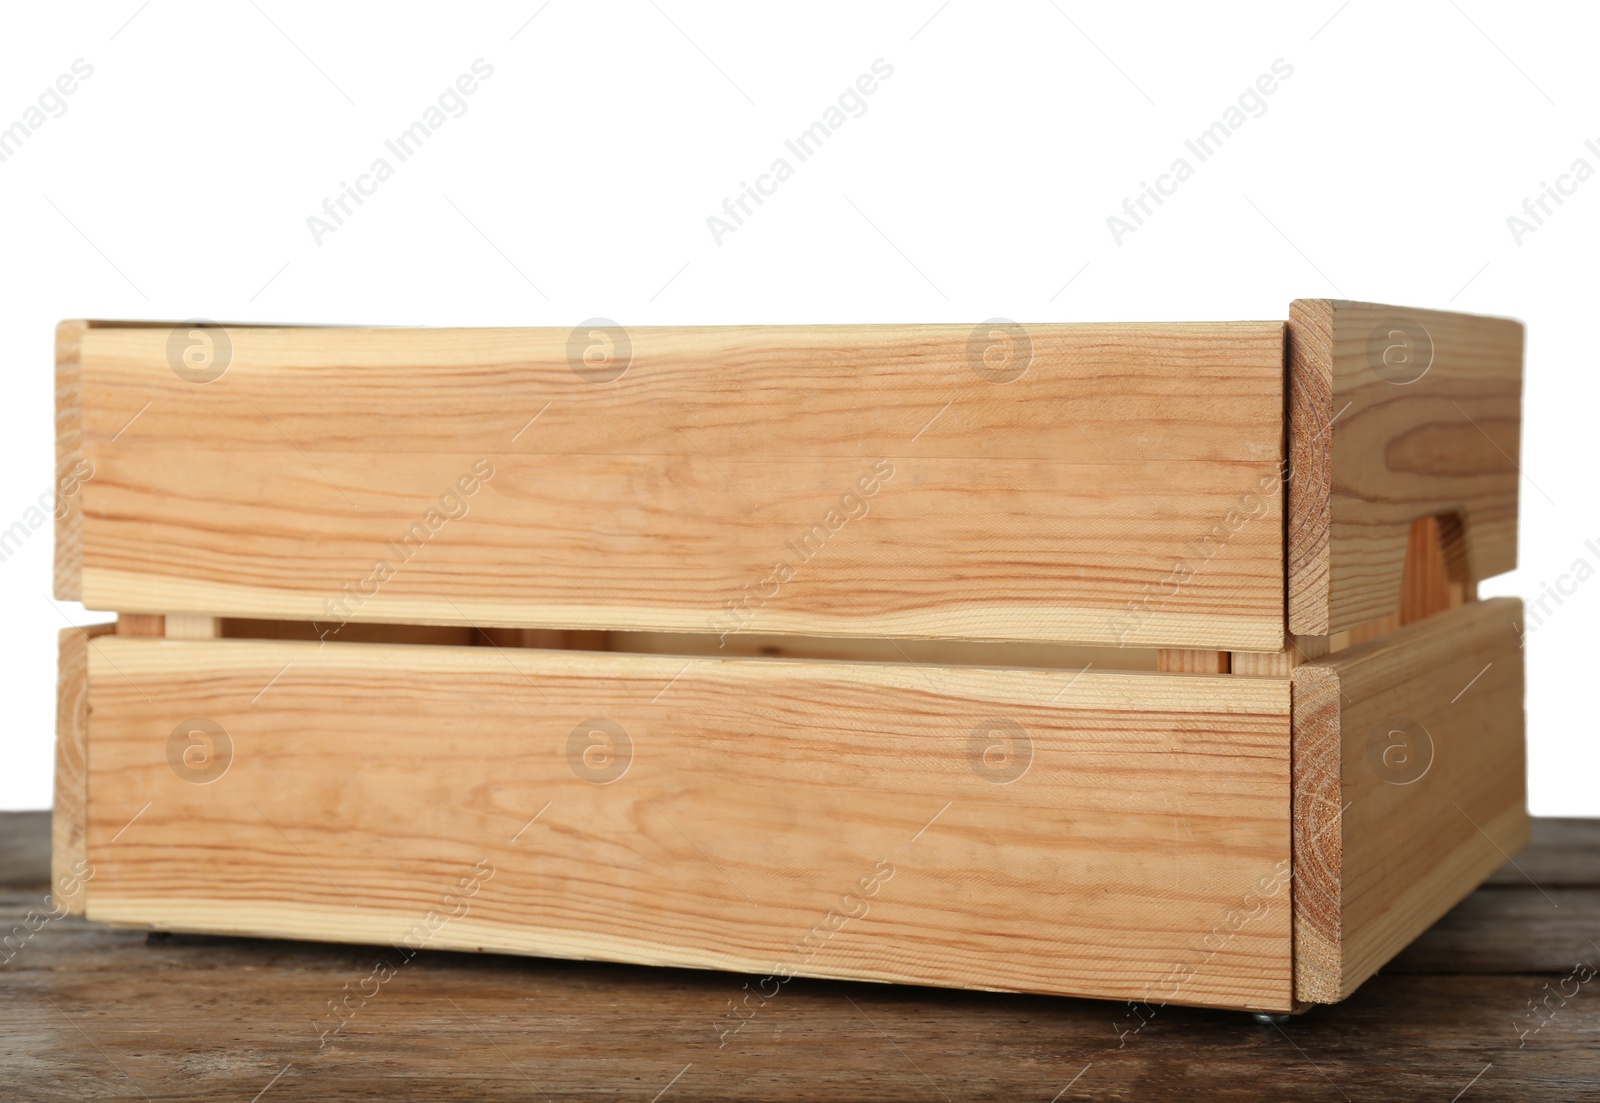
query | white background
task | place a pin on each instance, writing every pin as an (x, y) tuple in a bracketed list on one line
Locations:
[(178, 183)]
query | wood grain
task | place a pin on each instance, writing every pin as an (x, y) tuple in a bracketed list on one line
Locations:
[(187, 626), (1183, 661), (1119, 835), (98, 1013), (1376, 629), (69, 460), (1435, 577), (1281, 663), (1371, 452), (1053, 656), (906, 494), (438, 635), (1433, 580), (1381, 852), (68, 839), (141, 624)]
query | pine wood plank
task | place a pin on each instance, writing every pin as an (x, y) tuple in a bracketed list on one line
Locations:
[(908, 494), (70, 461), (1373, 447), (1281, 663), (94, 1012), (187, 626), (68, 840), (1059, 656), (1495, 931), (1107, 841), (1434, 579), (1182, 661), (1377, 629), (141, 624), (1392, 830), (459, 635)]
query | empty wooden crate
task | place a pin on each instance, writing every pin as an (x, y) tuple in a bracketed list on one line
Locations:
[(1131, 661)]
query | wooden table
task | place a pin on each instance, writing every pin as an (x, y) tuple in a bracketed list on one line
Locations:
[(91, 1012)]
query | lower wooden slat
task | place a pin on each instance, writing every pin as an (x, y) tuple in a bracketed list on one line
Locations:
[(1116, 835), (863, 649), (1410, 787), (68, 843)]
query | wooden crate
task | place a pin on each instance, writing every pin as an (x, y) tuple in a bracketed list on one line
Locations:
[(1130, 661)]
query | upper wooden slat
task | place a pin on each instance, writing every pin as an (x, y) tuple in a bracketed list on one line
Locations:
[(1402, 446), (1057, 506), (69, 462)]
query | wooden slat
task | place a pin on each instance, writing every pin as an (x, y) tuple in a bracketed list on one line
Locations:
[(1381, 852), (84, 1001), (187, 626), (862, 649), (1435, 577), (1400, 448), (70, 467), (1181, 661), (1114, 847), (1279, 664), (1377, 629), (68, 841), (1433, 580), (141, 624), (460, 635), (1052, 507)]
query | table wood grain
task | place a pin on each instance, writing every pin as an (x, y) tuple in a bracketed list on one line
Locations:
[(93, 1012)]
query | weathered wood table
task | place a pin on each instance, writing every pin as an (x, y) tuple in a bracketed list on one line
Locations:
[(1499, 1001)]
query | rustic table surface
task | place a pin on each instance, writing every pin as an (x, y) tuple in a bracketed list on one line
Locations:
[(1496, 1002)]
